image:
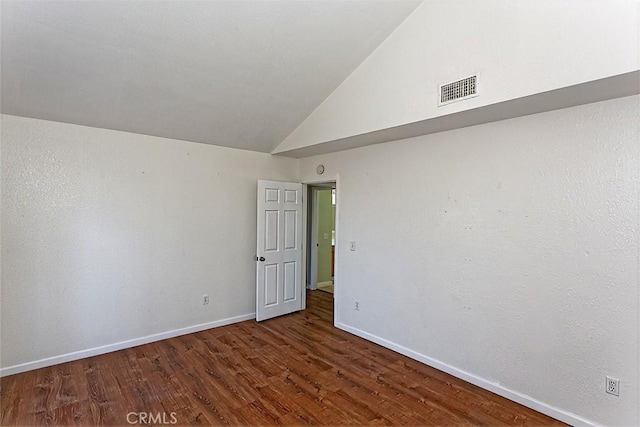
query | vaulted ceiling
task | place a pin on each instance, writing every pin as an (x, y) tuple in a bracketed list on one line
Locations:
[(240, 74)]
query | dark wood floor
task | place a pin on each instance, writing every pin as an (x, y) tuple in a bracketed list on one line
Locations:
[(293, 370)]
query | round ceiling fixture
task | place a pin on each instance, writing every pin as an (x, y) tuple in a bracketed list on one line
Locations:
[(320, 169)]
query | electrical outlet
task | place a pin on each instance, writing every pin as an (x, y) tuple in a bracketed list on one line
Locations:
[(357, 307), (205, 299), (612, 386)]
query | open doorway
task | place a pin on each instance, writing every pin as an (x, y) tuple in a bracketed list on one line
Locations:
[(321, 238)]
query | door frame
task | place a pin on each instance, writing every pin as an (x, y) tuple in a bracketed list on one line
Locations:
[(306, 243)]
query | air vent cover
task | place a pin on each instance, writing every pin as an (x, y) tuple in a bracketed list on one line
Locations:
[(459, 90)]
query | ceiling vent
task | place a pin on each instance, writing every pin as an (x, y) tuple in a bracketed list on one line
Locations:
[(458, 90)]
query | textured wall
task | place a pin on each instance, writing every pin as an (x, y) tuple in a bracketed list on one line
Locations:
[(109, 236), (507, 250)]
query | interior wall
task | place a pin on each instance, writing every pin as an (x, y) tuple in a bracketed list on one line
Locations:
[(325, 226), (517, 47), (506, 253), (111, 236)]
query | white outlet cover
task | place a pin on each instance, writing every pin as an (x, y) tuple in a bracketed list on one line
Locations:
[(612, 386)]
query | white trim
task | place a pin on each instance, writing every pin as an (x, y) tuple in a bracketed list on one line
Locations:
[(313, 262), (49, 361), (303, 270), (336, 269), (523, 399), (322, 284)]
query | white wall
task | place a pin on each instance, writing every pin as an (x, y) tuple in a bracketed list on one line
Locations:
[(512, 256), (519, 47), (110, 236)]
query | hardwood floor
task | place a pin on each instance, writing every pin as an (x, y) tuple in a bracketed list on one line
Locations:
[(293, 370)]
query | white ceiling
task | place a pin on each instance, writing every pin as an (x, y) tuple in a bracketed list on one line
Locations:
[(241, 74)]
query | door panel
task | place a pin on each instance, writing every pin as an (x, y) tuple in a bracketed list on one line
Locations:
[(279, 251), (290, 227), (271, 284), (289, 281), (271, 231)]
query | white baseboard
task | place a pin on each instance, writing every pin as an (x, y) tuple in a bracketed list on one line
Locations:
[(323, 284), (68, 357), (496, 388)]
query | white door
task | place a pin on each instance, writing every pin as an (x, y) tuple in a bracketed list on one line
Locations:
[(279, 255)]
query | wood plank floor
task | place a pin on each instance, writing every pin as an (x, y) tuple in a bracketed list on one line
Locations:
[(293, 370)]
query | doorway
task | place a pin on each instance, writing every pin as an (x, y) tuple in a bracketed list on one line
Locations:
[(321, 237)]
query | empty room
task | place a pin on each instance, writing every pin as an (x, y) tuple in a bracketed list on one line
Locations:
[(320, 212)]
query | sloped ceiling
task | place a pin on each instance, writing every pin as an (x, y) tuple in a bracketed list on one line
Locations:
[(239, 74)]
